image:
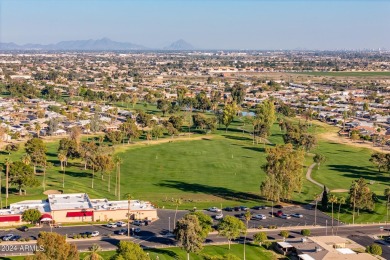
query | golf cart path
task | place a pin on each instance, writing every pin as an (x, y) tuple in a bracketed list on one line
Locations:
[(308, 176)]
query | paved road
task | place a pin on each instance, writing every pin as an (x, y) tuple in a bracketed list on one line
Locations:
[(366, 241)]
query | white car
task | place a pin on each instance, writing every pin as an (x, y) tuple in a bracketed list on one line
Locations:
[(7, 237), (219, 216), (260, 216), (111, 225), (214, 209), (121, 224), (297, 215), (285, 216), (95, 233)]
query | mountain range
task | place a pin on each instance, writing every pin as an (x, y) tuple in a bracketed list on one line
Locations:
[(104, 44)]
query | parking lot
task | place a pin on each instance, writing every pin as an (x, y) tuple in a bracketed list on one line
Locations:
[(166, 220)]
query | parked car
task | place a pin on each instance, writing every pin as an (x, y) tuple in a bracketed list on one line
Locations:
[(219, 216), (285, 216), (297, 215), (244, 208), (95, 233), (260, 207), (121, 224), (7, 237), (228, 209), (259, 216), (111, 225), (237, 208), (214, 209), (23, 228), (278, 213), (278, 206), (136, 230), (138, 223), (15, 238), (122, 231)]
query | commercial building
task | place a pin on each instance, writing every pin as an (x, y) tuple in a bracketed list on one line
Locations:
[(78, 207)]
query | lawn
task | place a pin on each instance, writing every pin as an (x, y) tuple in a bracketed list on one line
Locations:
[(253, 252)]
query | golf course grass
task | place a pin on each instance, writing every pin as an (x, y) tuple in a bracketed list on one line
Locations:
[(347, 73), (220, 169)]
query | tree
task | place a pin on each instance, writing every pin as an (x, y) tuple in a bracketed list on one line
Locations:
[(130, 130), (305, 232), (26, 159), (228, 113), (360, 196), (11, 148), (22, 175), (284, 172), (260, 238), (37, 151), (374, 249), (8, 164), (164, 105), (284, 234), (332, 200), (95, 123), (31, 215), (265, 118), (231, 228), (247, 217), (355, 136), (37, 128), (205, 222), (93, 253), (318, 159), (69, 147), (188, 233), (325, 199), (238, 93), (75, 135), (143, 119), (176, 121), (340, 201), (52, 125), (381, 160), (54, 246), (177, 203), (62, 157), (316, 199), (157, 131)]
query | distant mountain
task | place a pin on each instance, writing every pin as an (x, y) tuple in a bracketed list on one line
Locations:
[(103, 44), (180, 45)]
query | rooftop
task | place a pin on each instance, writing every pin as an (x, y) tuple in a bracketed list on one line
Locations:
[(69, 201)]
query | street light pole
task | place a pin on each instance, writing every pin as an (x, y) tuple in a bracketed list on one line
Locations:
[(272, 209), (169, 224), (326, 222)]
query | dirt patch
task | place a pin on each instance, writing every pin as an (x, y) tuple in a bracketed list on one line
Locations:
[(334, 137), (48, 192), (339, 190)]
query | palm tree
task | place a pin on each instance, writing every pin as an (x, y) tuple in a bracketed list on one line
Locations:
[(332, 199), (118, 162), (341, 201), (177, 203), (93, 253), (8, 163), (62, 158), (26, 159), (37, 128), (47, 165), (128, 196), (316, 198), (247, 217)]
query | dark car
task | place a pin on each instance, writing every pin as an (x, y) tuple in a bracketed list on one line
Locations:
[(237, 208), (147, 222), (23, 228), (122, 232), (228, 209), (278, 206), (244, 208), (15, 238), (257, 207)]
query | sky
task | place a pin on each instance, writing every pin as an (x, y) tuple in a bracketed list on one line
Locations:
[(206, 24)]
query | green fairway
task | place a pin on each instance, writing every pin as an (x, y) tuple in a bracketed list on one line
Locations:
[(348, 73)]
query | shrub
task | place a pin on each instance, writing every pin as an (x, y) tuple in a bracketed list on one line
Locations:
[(305, 232), (284, 233), (89, 236), (272, 227), (267, 244), (260, 227), (374, 249)]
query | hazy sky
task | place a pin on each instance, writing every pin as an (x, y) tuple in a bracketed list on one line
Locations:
[(217, 24)]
